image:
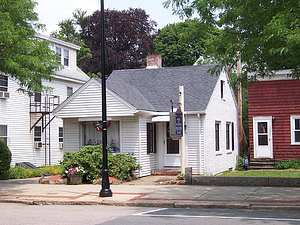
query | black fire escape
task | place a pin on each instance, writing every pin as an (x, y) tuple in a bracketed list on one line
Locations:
[(41, 107)]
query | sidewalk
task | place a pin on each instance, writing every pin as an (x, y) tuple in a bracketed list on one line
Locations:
[(144, 192)]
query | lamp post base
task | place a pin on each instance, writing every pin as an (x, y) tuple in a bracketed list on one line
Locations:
[(105, 193)]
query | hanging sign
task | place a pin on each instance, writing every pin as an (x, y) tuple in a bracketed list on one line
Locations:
[(178, 125)]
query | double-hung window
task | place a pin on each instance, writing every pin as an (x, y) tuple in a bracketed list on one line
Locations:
[(151, 138), (61, 134), (38, 133), (64, 55), (230, 136), (217, 135), (3, 133), (3, 83), (295, 130)]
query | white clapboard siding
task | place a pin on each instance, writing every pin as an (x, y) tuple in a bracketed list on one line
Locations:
[(148, 161), (71, 135), (193, 142), (202, 144), (222, 160), (88, 103), (130, 136)]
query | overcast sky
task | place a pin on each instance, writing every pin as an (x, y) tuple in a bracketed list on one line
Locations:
[(51, 12)]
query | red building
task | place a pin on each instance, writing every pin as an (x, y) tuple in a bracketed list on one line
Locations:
[(274, 118)]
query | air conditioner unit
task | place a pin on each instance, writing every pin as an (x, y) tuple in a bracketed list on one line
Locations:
[(4, 94), (38, 144), (61, 145)]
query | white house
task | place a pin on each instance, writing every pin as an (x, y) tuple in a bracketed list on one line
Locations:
[(27, 125), (138, 107)]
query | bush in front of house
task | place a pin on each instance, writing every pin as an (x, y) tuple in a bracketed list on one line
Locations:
[(5, 159), (290, 164), (20, 172), (120, 165)]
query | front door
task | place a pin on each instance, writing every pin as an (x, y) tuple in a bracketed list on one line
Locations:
[(263, 144), (172, 153)]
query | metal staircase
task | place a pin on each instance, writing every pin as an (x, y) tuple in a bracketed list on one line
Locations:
[(41, 107)]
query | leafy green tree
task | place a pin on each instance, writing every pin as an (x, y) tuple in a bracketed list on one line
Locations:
[(23, 57), (265, 32), (182, 44), (70, 31)]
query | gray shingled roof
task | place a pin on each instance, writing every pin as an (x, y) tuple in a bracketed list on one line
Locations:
[(152, 89)]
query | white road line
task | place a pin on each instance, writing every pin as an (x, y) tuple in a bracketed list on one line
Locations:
[(143, 213), (215, 217)]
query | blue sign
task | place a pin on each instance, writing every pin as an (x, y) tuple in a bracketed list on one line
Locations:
[(179, 127)]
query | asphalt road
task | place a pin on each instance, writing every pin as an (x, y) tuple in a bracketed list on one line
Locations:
[(95, 214)]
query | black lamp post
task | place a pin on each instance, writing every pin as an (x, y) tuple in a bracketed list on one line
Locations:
[(105, 191)]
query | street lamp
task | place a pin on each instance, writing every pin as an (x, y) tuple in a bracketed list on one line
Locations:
[(105, 191)]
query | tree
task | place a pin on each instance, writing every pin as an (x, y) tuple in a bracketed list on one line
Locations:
[(265, 32), (182, 44), (70, 31), (129, 39), (23, 57), (5, 159)]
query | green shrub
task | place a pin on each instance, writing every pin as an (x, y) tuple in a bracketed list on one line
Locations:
[(240, 164), (181, 176), (18, 172), (291, 164), (34, 173), (5, 159), (52, 170), (121, 166)]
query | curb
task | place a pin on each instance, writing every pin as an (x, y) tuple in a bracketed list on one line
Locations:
[(216, 205)]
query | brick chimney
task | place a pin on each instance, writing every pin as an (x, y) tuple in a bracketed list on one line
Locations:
[(154, 61)]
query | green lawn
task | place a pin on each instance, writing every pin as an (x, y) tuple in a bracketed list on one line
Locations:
[(262, 173)]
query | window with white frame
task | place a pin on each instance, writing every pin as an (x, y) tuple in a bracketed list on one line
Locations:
[(3, 82), (3, 133), (230, 136), (227, 136), (61, 134), (217, 135), (64, 55), (38, 133), (295, 130), (222, 88), (69, 91)]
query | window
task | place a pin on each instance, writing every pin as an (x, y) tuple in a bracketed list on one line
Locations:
[(37, 133), (151, 138), (227, 136), (3, 82), (66, 57), (217, 136), (58, 52), (222, 88), (69, 91), (3, 133), (61, 134), (295, 130), (232, 136)]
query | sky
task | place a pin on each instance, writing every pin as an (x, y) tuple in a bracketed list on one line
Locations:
[(51, 12)]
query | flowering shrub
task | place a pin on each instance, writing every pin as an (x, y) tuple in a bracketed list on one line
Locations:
[(120, 165), (75, 171)]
